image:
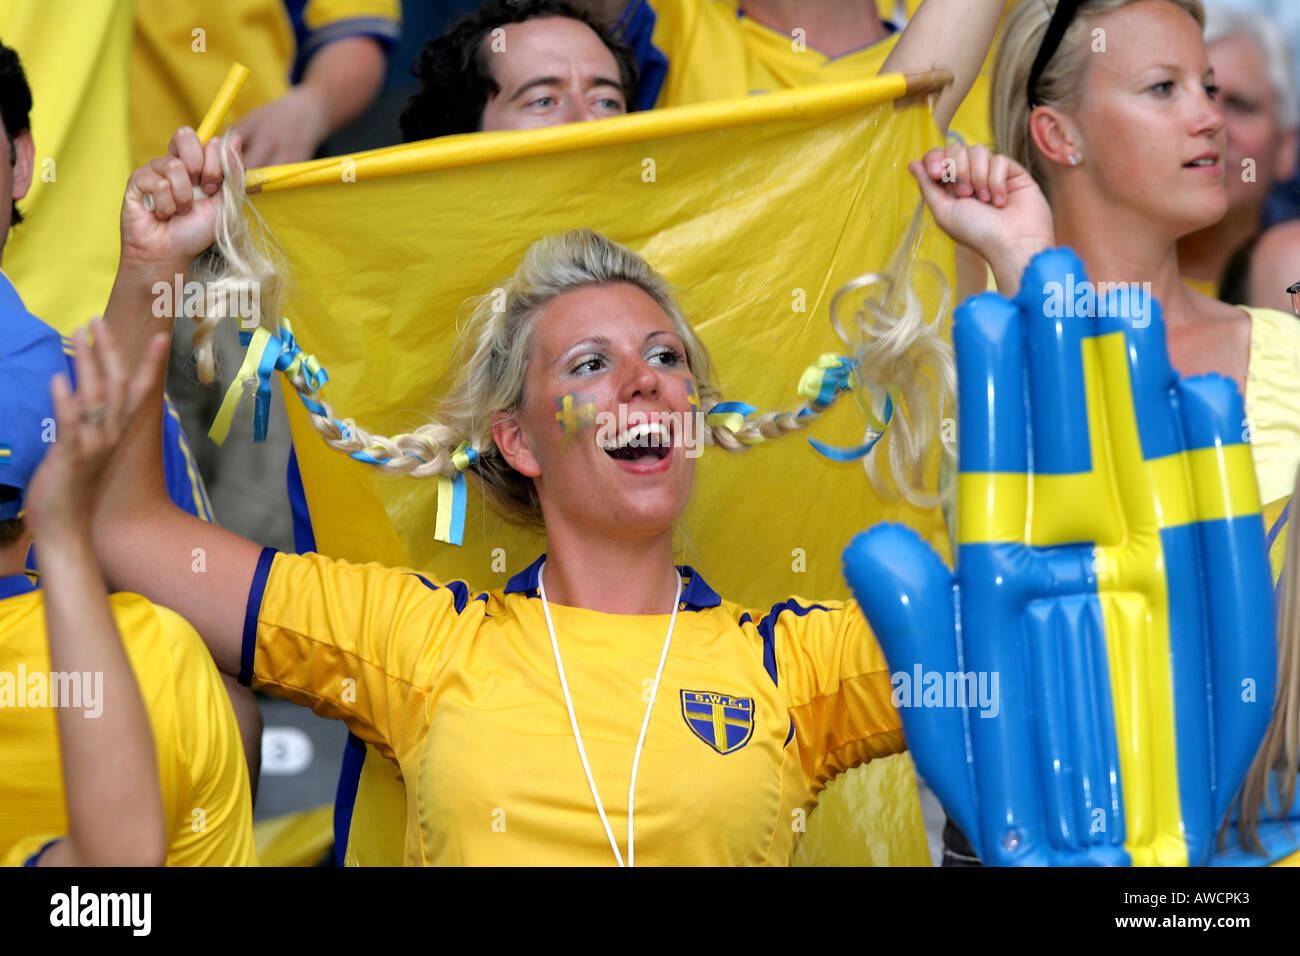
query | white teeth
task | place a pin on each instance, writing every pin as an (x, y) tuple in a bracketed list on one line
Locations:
[(1202, 162), (638, 436)]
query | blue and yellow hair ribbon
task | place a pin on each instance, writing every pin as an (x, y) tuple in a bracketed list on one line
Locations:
[(452, 498), (267, 353), (824, 381), (820, 384), (859, 451), (729, 415), (828, 378)]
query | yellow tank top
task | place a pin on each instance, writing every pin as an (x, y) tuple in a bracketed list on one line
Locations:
[(1273, 400)]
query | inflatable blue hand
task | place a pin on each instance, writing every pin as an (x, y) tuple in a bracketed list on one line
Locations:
[(1091, 684)]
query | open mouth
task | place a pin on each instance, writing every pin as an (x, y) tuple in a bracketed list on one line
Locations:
[(1204, 161), (651, 441)]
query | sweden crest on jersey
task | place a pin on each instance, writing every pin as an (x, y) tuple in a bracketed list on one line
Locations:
[(724, 723)]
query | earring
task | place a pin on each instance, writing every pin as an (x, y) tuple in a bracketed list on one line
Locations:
[(1074, 159)]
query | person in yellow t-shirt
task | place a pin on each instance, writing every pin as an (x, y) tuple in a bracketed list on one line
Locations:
[(734, 719), (152, 769), (316, 65), (694, 51)]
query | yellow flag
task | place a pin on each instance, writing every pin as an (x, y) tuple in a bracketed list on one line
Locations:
[(756, 210), (76, 56)]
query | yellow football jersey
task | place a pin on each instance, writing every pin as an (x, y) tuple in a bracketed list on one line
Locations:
[(26, 850), (694, 51), (201, 766), (756, 712)]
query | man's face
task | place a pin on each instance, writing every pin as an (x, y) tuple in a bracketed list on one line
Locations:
[(550, 70)]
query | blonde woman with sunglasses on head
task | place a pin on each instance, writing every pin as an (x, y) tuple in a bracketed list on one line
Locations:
[(1109, 142)]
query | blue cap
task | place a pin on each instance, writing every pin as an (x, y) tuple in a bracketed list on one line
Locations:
[(31, 353)]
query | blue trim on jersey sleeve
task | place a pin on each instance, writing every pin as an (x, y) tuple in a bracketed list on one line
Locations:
[(31, 860), (180, 471), (769, 662), (304, 536), (384, 31), (459, 592), (255, 593), (345, 797), (767, 629), (637, 26), (1274, 531)]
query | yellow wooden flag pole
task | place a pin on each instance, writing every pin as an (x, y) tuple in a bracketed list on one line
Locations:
[(234, 82), (216, 113)]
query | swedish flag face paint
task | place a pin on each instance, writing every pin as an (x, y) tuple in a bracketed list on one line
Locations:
[(575, 412)]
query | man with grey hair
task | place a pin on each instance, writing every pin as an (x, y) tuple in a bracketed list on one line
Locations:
[(1261, 112)]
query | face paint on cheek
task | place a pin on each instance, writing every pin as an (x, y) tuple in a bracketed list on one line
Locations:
[(692, 396), (575, 412)]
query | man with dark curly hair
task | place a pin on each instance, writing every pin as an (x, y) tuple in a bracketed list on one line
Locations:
[(520, 64)]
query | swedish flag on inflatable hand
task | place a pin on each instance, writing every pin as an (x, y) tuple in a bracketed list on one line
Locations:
[(1112, 585)]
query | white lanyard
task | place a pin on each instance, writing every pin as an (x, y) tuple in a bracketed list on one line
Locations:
[(645, 723)]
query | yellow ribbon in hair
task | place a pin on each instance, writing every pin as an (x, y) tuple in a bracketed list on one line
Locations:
[(245, 380), (450, 524), (266, 354), (730, 416)]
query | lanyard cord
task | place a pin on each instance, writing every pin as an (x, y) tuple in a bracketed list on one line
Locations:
[(645, 723)]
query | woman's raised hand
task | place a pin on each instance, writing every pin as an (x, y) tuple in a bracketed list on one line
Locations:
[(181, 221), (90, 423), (988, 202)]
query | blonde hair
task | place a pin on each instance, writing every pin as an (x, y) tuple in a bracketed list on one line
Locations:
[(1278, 756), (903, 351), (1061, 79), (492, 357)]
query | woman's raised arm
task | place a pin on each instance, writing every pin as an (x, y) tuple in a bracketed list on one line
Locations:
[(951, 35), (144, 542), (110, 772)]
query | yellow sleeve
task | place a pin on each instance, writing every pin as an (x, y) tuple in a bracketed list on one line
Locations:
[(1273, 401), (837, 683), (76, 56), (213, 824), (21, 853), (360, 643), (330, 20), (1277, 526)]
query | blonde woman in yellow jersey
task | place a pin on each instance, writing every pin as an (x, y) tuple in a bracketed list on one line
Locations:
[(606, 706), (770, 702), (1119, 156)]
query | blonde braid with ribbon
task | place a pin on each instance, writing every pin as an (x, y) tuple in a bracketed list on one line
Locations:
[(489, 367)]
